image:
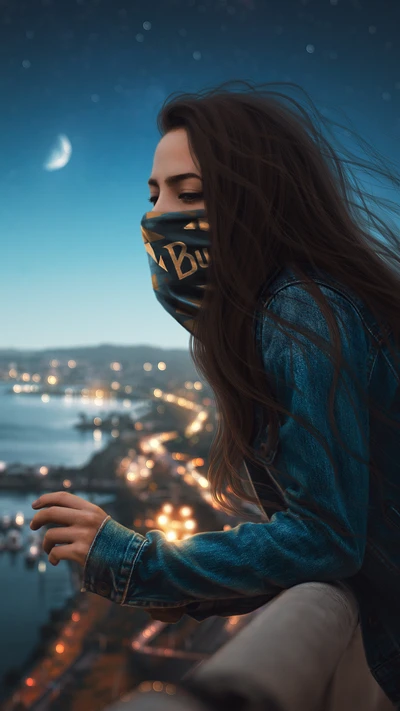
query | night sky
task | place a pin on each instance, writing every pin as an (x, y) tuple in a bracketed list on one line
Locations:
[(73, 267)]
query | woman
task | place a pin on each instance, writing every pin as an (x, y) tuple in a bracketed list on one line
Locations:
[(257, 247)]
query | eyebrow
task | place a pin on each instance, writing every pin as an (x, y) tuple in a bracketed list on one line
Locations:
[(173, 179)]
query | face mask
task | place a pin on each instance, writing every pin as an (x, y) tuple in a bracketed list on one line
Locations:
[(177, 244)]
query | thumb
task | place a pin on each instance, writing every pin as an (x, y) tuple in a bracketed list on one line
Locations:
[(166, 615)]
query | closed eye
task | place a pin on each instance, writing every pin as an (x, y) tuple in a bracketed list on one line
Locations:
[(185, 197)]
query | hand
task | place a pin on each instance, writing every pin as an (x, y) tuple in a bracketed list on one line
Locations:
[(80, 520), (166, 614)]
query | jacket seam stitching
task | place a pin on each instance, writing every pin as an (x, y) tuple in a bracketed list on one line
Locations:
[(331, 288), (103, 523), (378, 341), (131, 571)]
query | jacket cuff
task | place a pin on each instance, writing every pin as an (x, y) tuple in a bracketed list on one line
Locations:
[(110, 561)]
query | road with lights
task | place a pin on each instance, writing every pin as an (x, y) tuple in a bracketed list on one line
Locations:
[(176, 520)]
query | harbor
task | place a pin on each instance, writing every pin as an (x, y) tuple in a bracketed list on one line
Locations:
[(13, 538), (147, 470)]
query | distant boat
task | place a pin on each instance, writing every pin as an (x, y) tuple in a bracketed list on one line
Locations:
[(14, 540), (5, 522), (33, 553)]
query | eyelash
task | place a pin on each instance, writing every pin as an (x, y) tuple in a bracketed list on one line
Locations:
[(195, 196)]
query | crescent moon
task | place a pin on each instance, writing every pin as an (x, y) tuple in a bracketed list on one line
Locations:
[(60, 154)]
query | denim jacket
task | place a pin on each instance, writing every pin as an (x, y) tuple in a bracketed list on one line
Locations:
[(354, 537)]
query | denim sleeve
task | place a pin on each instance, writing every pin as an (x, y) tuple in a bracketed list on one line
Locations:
[(319, 537)]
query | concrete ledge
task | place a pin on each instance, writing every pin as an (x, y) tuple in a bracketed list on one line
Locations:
[(301, 652)]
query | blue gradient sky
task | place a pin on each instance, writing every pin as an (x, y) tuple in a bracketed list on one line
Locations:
[(73, 267)]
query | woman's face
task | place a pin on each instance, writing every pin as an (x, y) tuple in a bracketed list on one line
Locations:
[(171, 188)]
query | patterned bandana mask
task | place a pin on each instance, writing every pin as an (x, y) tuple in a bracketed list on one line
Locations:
[(178, 247)]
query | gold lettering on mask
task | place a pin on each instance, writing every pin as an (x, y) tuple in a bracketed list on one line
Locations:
[(198, 224), (149, 249), (177, 260), (202, 261)]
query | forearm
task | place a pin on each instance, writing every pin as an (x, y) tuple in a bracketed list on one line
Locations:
[(251, 560)]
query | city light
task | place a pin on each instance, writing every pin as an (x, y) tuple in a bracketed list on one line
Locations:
[(141, 472), (25, 388), (198, 462), (174, 522), (171, 535), (144, 686), (125, 462)]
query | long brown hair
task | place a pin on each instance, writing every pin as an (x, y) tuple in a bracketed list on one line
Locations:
[(276, 192)]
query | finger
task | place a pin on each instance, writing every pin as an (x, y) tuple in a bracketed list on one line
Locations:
[(67, 552), (168, 615), (61, 498), (54, 515), (57, 536)]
